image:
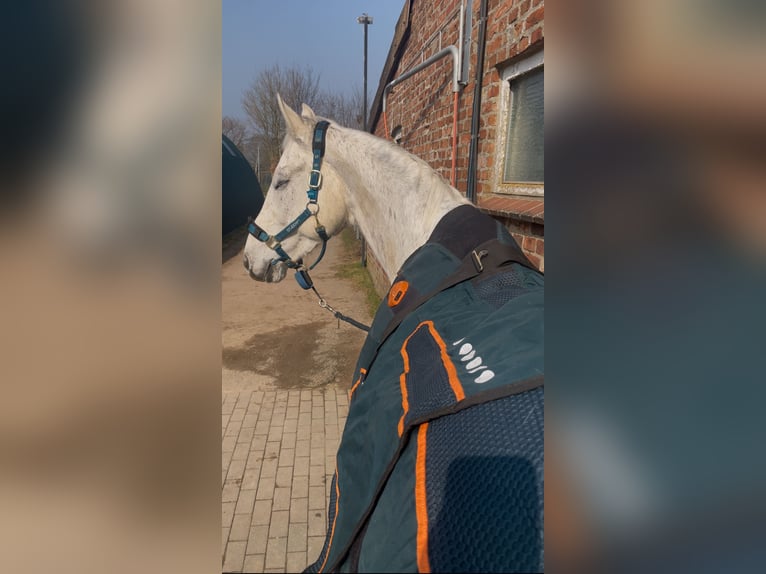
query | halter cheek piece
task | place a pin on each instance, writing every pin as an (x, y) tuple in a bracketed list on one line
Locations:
[(312, 209)]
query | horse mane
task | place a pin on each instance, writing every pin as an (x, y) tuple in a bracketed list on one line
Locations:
[(385, 149), (396, 197)]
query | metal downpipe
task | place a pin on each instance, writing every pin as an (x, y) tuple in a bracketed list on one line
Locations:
[(476, 111)]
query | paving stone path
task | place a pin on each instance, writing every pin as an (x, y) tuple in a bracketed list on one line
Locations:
[(287, 368)]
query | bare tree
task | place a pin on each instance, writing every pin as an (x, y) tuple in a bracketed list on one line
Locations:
[(344, 109), (255, 150), (296, 86), (234, 129)]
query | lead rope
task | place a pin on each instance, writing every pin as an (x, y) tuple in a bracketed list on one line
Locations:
[(306, 282), (338, 315)]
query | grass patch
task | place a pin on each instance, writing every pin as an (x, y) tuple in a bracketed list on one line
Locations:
[(354, 272)]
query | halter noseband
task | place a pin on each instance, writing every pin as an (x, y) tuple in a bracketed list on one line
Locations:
[(315, 183)]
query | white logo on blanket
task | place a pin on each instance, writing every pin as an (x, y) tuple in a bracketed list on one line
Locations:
[(472, 362)]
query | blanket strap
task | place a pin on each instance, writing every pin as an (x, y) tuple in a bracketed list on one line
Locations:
[(486, 258)]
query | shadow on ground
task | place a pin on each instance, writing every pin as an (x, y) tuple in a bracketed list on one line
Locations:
[(233, 243), (300, 356)]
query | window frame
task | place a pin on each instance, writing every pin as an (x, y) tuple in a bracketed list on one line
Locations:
[(507, 75)]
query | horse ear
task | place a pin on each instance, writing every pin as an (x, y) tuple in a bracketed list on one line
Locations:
[(308, 113), (295, 125)]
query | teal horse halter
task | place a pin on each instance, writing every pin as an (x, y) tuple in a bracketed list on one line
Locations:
[(312, 209), (275, 241)]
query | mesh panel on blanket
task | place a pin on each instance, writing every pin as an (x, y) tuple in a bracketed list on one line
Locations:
[(498, 289), (427, 381), (484, 480)]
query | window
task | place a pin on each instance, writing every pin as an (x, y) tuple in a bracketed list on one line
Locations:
[(521, 161), (524, 143)]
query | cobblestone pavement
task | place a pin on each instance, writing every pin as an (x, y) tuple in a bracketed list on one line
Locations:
[(278, 454), (287, 367)]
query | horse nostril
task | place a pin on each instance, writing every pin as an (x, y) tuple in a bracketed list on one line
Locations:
[(246, 263)]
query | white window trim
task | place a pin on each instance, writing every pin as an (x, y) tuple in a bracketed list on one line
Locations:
[(522, 67), (507, 74)]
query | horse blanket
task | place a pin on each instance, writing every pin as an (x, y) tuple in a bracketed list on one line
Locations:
[(440, 466)]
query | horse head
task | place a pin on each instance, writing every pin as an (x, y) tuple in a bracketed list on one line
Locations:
[(287, 199)]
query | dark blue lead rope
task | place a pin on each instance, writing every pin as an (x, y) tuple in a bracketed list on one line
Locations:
[(338, 315)]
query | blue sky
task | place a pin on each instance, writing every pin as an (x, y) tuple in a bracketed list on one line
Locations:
[(321, 34)]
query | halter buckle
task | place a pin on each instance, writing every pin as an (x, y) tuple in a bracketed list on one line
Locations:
[(315, 204), (318, 184), (272, 243)]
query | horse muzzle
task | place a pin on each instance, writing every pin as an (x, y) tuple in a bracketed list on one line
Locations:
[(271, 273)]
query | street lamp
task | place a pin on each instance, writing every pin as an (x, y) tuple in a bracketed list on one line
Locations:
[(366, 20)]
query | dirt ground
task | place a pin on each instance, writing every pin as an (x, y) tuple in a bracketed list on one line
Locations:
[(287, 366), (277, 335)]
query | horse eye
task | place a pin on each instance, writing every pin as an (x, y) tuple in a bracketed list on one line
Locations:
[(281, 183)]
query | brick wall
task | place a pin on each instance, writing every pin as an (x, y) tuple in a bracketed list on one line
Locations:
[(423, 104), (378, 276), (530, 236)]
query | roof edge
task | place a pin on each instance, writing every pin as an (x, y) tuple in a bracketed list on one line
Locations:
[(401, 35)]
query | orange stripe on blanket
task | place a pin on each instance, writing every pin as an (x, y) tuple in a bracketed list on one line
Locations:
[(362, 373), (454, 381), (334, 519), (403, 387), (421, 508)]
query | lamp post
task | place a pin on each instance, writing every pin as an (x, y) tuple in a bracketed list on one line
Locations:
[(366, 20)]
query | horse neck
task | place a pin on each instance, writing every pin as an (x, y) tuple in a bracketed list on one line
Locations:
[(395, 198)]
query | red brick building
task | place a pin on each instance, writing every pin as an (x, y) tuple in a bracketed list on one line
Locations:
[(502, 172)]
